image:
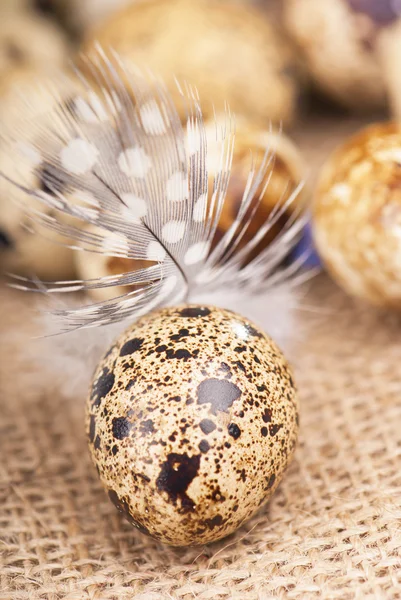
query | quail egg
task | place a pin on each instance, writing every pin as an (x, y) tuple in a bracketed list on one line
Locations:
[(192, 419), (337, 41), (357, 215), (26, 248), (229, 51), (29, 41)]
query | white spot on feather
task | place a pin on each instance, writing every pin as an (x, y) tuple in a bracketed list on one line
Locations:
[(177, 187), (152, 118), (196, 253), (200, 208), (91, 110), (30, 153), (136, 207), (134, 162), (194, 141), (173, 231), (79, 156), (156, 251)]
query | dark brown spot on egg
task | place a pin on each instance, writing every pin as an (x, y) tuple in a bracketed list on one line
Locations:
[(214, 522), (102, 386), (123, 507), (219, 393), (92, 428), (251, 331), (195, 311), (180, 354), (121, 428), (270, 481), (234, 430), (176, 474), (273, 429), (264, 431), (131, 346), (183, 333), (267, 415)]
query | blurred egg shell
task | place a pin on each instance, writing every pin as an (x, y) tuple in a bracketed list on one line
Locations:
[(192, 420), (29, 41), (357, 215), (285, 173), (27, 248), (232, 54), (337, 44)]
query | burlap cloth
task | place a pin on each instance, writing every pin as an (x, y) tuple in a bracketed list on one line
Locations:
[(331, 531)]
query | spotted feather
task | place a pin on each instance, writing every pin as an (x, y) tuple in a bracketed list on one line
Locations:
[(120, 175)]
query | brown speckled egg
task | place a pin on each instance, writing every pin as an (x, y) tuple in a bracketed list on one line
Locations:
[(337, 39), (26, 247), (192, 420), (229, 51), (357, 215)]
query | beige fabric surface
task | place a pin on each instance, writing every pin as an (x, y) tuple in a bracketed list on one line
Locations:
[(331, 531)]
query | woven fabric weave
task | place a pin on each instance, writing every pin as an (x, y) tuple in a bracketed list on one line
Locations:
[(331, 531)]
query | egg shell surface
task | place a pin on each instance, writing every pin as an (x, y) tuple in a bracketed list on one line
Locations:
[(192, 420)]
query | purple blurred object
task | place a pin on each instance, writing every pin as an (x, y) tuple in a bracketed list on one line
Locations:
[(306, 248), (382, 12)]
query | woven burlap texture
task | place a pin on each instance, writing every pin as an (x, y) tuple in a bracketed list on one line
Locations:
[(331, 531)]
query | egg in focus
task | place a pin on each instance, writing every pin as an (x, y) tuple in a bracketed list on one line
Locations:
[(192, 420)]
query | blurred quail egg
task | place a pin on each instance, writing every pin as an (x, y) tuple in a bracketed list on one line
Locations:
[(26, 248), (229, 51), (357, 215), (337, 40), (285, 172), (28, 41), (192, 420)]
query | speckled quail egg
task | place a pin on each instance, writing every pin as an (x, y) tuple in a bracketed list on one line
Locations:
[(357, 215), (80, 15), (192, 420), (337, 39), (230, 52), (25, 247), (29, 41), (287, 172)]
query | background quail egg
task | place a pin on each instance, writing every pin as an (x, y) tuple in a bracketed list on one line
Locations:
[(27, 248), (357, 215), (192, 420), (229, 51), (337, 47)]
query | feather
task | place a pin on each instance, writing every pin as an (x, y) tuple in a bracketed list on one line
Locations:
[(121, 176)]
